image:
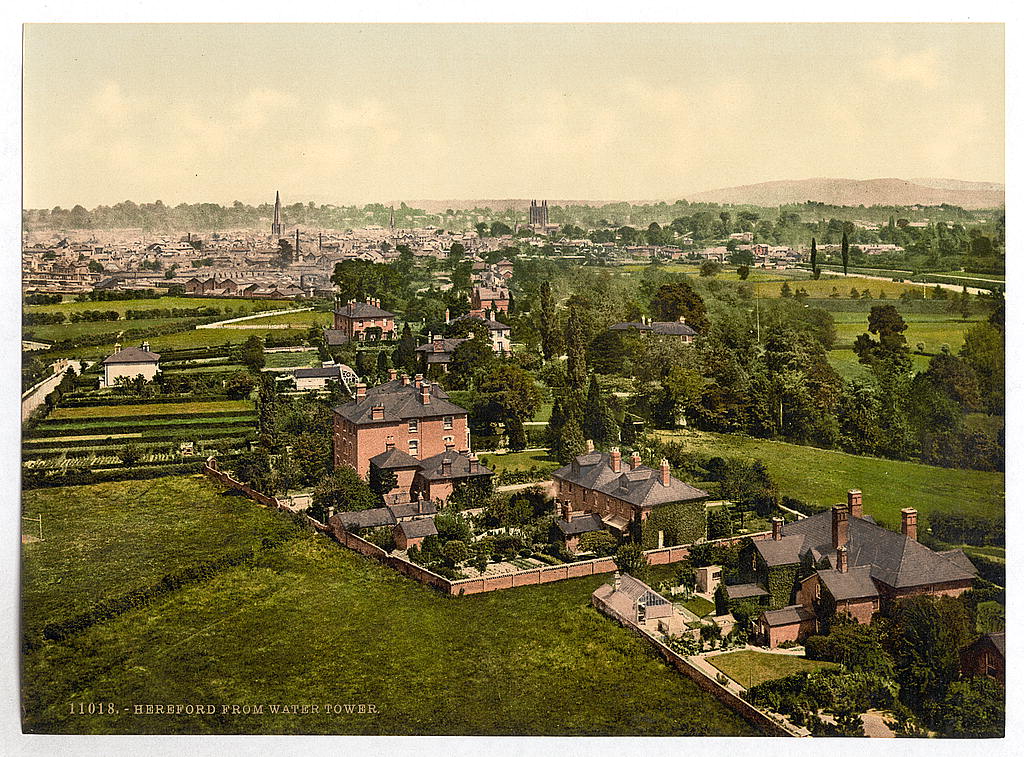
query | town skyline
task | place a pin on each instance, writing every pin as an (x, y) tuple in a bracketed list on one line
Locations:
[(508, 111)]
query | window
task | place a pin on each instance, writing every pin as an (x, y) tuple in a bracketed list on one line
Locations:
[(448, 421), (449, 440), (414, 426), (414, 447)]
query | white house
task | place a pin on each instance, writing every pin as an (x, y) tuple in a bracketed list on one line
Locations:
[(130, 363)]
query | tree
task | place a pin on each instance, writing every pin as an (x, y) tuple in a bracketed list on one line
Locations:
[(601, 543), (359, 279), (974, 708), (846, 253), (630, 558), (598, 419), (130, 455), (570, 441), (509, 396), (742, 258), (240, 385), (786, 290), (382, 480), (471, 359), (344, 491), (254, 468), (680, 299), (719, 523), (312, 456), (814, 259), (250, 354), (405, 352), (888, 324), (455, 551), (266, 406), (710, 268), (576, 357), (455, 255), (548, 327)]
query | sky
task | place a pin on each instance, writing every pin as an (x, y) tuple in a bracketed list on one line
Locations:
[(351, 113)]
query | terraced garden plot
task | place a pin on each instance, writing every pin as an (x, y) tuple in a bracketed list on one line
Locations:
[(170, 408), (185, 340), (61, 331), (237, 306), (749, 668), (303, 320)]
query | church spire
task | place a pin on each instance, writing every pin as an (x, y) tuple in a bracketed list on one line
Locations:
[(275, 227)]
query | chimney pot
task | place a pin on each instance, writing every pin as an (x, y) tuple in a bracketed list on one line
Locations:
[(392, 374), (360, 391), (634, 460), (855, 501), (590, 445), (909, 525), (425, 393), (567, 511), (777, 528), (664, 472), (389, 444), (842, 559), (418, 380), (615, 460)]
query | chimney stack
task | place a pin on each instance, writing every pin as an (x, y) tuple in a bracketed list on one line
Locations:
[(840, 526), (664, 472), (842, 559), (145, 346), (425, 393), (392, 374), (446, 467), (418, 380), (377, 412), (474, 464), (777, 528), (855, 501), (360, 391), (616, 579), (909, 527), (405, 379), (447, 315), (590, 445), (419, 503), (567, 511), (615, 460), (634, 460), (389, 443)]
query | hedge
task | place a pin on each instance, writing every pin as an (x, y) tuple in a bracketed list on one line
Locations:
[(160, 399), (32, 479)]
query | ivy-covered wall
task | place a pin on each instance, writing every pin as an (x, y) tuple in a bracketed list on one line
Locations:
[(682, 522), (780, 585)]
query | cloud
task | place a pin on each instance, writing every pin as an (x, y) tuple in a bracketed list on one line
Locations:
[(916, 67)]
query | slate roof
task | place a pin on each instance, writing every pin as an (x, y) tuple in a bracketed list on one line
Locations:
[(415, 529), (409, 510), (998, 641), (744, 591), (442, 355), (132, 355), (641, 486), (855, 583), (895, 560), (430, 467), (400, 403), (335, 337), (491, 324), (372, 518), (363, 310), (784, 551), (394, 459), (787, 616), (580, 525), (333, 371)]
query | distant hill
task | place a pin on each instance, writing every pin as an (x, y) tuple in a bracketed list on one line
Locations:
[(439, 206), (966, 194)]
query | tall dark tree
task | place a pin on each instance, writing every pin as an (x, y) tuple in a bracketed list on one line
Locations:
[(405, 353), (549, 341), (680, 299), (598, 419), (576, 360), (266, 404), (846, 253), (814, 258)]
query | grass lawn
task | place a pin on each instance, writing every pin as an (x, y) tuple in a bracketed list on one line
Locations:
[(849, 367), (514, 461), (310, 622), (823, 476), (184, 339), (301, 320), (169, 408), (933, 332), (749, 668), (699, 606), (291, 359), (103, 540), (60, 331), (823, 287)]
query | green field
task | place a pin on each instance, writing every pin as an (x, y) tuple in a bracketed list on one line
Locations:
[(699, 606), (184, 339), (822, 477), (291, 359), (848, 366), (238, 306), (103, 540), (301, 320), (169, 408), (932, 330), (310, 622), (749, 668), (823, 287), (515, 461), (61, 331)]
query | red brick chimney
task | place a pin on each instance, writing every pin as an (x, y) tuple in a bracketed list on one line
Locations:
[(842, 559), (419, 503), (855, 501), (424, 393), (777, 528), (392, 374), (377, 412), (664, 472), (418, 380), (909, 526), (840, 526), (360, 391), (405, 379), (615, 460), (389, 443), (634, 460), (446, 467), (474, 464)]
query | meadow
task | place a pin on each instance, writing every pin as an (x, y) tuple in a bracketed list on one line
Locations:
[(822, 477), (236, 306), (309, 622)]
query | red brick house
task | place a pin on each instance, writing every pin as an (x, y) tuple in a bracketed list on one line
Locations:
[(362, 320), (414, 415), (630, 498), (485, 299), (842, 561), (412, 533), (677, 328)]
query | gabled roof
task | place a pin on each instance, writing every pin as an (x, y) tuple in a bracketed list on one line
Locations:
[(855, 583), (400, 403), (415, 529), (787, 616), (580, 525), (784, 551), (372, 518), (335, 337), (132, 355), (672, 328), (394, 459), (640, 486), (333, 371), (638, 591), (745, 591), (431, 468), (362, 310), (895, 559)]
